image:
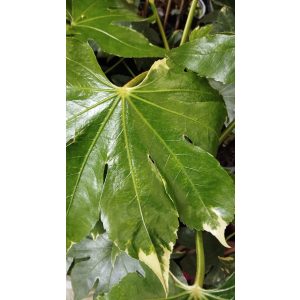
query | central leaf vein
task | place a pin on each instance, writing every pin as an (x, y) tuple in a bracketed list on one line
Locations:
[(173, 155), (90, 151), (132, 171), (173, 112)]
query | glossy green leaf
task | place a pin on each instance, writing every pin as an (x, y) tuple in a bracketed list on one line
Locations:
[(228, 93), (101, 266), (140, 154), (100, 20), (210, 56)]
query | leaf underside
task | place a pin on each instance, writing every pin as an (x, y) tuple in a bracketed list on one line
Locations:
[(142, 156)]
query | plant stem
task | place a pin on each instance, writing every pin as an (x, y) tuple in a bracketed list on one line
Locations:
[(200, 260), (113, 66), (189, 21), (160, 26), (167, 13), (128, 69), (179, 15), (226, 132), (136, 80), (145, 9)]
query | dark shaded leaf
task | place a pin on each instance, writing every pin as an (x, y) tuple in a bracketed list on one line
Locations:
[(102, 266)]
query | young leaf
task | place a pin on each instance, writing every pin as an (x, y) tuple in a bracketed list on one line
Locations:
[(100, 20), (101, 262), (209, 56), (140, 154)]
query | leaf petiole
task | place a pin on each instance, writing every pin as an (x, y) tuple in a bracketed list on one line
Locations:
[(200, 260), (136, 80), (160, 26), (188, 23), (226, 132)]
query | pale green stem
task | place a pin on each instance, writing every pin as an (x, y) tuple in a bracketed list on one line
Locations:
[(200, 260), (226, 132), (160, 26), (136, 80), (188, 23)]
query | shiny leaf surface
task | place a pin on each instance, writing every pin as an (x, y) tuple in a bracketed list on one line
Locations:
[(100, 20), (140, 154), (209, 56), (101, 262)]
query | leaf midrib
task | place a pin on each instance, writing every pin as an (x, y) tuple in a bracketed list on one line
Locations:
[(106, 83), (132, 172), (174, 112), (89, 152), (171, 152), (111, 36), (90, 108)]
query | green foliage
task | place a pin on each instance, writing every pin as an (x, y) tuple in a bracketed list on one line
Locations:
[(142, 156), (204, 55), (101, 265), (101, 20), (135, 287)]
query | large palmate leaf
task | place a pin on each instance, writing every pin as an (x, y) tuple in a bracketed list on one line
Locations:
[(209, 56), (101, 264), (100, 20), (140, 155), (136, 287)]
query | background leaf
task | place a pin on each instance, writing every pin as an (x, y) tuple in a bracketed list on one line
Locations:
[(228, 93), (135, 287), (101, 20), (102, 266), (209, 56)]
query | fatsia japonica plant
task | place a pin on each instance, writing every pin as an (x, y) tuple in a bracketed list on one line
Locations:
[(150, 105)]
